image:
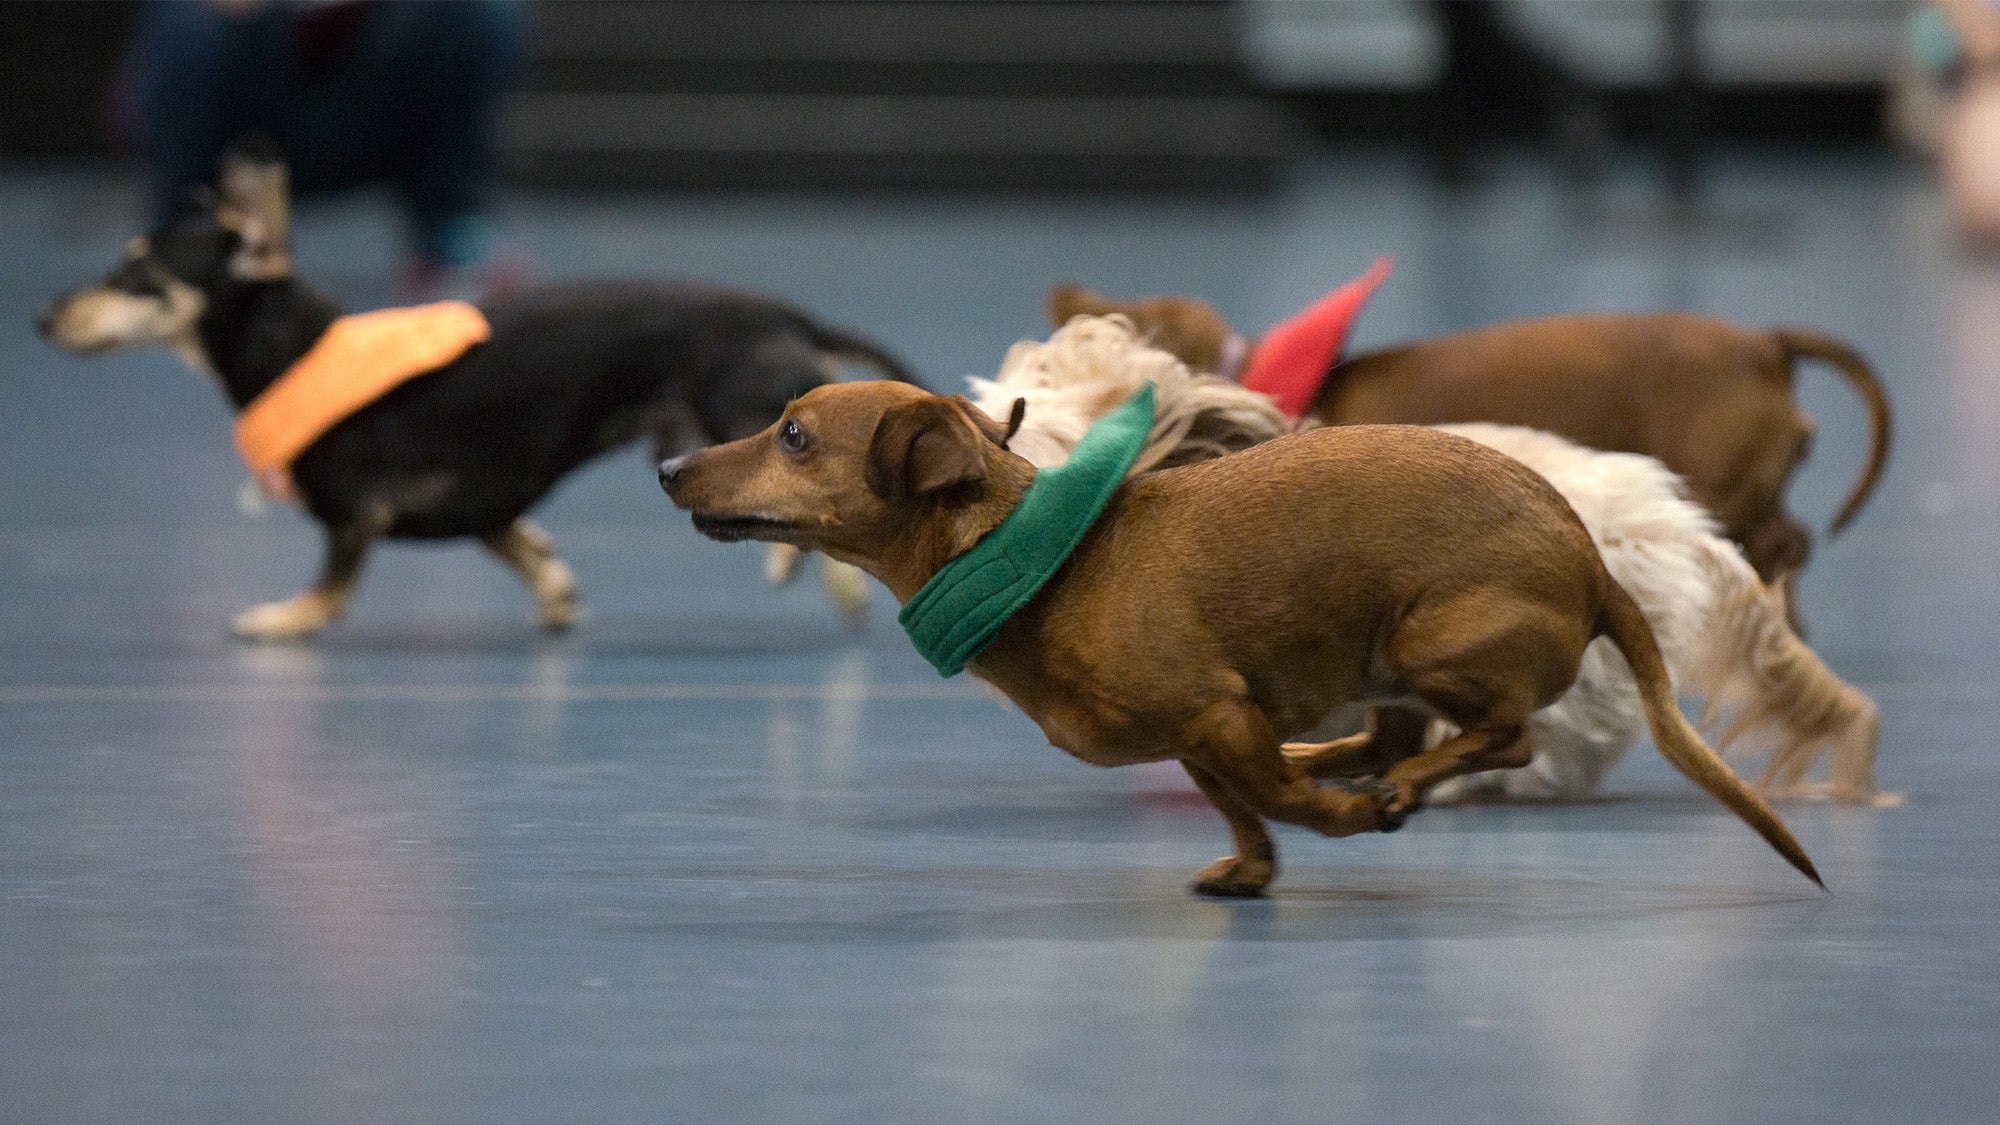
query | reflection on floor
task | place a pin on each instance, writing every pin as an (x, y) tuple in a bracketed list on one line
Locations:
[(715, 858)]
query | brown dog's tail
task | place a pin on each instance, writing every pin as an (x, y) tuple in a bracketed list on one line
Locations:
[(1804, 342), (1621, 620), (1777, 694)]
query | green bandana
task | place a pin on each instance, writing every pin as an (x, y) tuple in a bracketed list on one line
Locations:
[(954, 617)]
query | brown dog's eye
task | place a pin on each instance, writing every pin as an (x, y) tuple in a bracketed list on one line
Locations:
[(792, 437)]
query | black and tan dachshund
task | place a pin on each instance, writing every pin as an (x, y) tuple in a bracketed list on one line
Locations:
[(568, 371)]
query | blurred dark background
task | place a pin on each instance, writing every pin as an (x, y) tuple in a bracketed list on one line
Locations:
[(1177, 94)]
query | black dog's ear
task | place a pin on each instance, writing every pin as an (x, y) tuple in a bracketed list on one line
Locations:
[(925, 446), (197, 201), (256, 204)]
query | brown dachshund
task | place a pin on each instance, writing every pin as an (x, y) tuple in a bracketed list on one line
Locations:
[(1211, 610), (1710, 399)]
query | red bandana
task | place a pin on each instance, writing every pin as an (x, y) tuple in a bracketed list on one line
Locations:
[(1294, 358)]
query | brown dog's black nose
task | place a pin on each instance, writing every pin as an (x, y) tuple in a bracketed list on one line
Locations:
[(46, 323), (670, 470)]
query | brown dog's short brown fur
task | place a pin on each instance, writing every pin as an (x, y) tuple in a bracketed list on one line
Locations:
[(1214, 609), (1711, 400)]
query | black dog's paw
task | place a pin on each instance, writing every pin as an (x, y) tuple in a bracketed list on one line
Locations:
[(1395, 805)]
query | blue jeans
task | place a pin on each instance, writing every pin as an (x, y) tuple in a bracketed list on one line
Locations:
[(398, 92)]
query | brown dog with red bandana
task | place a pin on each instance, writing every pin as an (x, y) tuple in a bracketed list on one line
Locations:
[(1710, 399)]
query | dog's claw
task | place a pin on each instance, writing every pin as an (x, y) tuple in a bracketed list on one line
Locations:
[(1396, 805)]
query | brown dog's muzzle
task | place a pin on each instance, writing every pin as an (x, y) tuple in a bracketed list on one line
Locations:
[(675, 479), (670, 471)]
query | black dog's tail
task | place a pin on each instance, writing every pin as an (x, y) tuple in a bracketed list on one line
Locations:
[(856, 349)]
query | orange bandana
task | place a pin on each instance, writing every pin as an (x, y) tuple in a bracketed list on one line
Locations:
[(359, 359)]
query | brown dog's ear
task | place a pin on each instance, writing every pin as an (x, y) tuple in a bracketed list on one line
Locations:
[(1070, 300), (1014, 419), (995, 432), (924, 446), (255, 187)]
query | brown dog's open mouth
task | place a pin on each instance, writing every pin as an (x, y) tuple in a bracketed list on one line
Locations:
[(733, 529)]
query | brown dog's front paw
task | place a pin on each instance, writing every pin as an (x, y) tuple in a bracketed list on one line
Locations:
[(1394, 802), (1234, 877)]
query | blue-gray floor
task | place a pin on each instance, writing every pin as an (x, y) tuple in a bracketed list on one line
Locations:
[(713, 858)]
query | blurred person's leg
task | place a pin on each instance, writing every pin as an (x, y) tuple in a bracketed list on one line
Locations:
[(1495, 82), (399, 92), (1969, 152), (463, 60), (203, 72)]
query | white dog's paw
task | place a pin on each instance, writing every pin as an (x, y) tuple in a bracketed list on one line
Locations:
[(1827, 791), (289, 620), (782, 562), (847, 587)]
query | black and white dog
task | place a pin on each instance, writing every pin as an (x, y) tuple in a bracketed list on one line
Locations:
[(568, 372)]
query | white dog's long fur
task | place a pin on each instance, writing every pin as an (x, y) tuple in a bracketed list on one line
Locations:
[(1723, 632)]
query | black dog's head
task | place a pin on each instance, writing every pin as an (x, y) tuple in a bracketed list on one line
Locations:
[(763, 376), (158, 292)]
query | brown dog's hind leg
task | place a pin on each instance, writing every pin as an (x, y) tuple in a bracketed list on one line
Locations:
[(1474, 751), (1250, 870), (1484, 668), (1234, 756), (529, 552), (1777, 550), (307, 613)]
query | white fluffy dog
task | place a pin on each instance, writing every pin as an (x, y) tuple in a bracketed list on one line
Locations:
[(1723, 631)]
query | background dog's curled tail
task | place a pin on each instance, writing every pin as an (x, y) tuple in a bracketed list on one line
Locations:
[(854, 349), (1809, 344), (1622, 621), (1771, 691)]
